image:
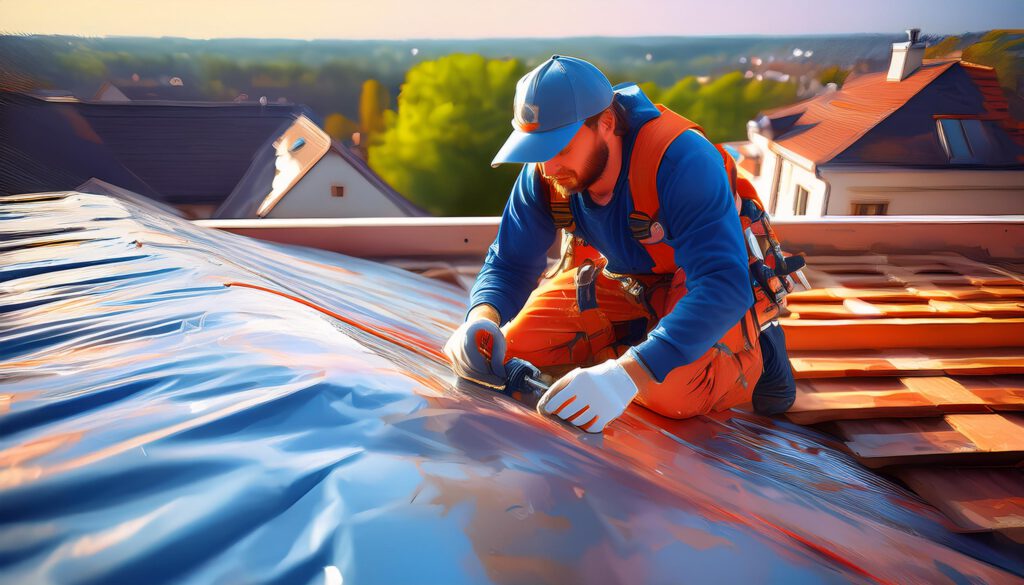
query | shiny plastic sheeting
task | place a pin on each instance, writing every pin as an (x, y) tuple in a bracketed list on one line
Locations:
[(158, 426)]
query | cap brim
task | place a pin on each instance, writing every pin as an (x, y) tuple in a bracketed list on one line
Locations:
[(531, 147)]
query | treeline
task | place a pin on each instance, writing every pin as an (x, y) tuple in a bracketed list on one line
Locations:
[(332, 86), (431, 135), (1000, 49), (430, 122), (454, 113)]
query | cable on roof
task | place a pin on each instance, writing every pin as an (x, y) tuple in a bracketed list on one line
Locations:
[(407, 342)]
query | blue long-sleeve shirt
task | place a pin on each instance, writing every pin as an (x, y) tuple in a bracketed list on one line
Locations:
[(698, 214)]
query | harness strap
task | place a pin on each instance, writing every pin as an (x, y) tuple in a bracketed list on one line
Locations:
[(652, 141), (558, 206), (649, 148)]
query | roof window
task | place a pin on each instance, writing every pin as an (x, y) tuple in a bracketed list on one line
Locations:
[(966, 140)]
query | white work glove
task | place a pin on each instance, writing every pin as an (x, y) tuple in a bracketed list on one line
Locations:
[(477, 353), (590, 398)]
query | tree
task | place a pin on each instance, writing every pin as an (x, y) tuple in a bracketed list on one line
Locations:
[(1002, 50), (833, 74), (453, 116), (723, 106), (339, 127), (943, 48), (373, 102), (681, 97)]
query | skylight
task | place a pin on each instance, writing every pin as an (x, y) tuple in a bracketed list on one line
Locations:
[(966, 140)]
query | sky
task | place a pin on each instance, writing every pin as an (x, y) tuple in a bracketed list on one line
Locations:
[(470, 19)]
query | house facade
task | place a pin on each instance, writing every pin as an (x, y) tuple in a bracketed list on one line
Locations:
[(926, 137)]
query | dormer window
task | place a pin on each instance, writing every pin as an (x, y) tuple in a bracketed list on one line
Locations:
[(966, 140)]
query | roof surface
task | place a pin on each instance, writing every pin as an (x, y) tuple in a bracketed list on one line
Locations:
[(178, 152), (159, 425), (871, 120)]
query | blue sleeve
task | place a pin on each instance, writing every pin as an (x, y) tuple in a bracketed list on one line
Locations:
[(518, 255), (701, 224)]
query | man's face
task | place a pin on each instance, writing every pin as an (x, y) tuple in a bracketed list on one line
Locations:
[(579, 164)]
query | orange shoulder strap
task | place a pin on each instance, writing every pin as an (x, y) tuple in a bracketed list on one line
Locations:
[(652, 141)]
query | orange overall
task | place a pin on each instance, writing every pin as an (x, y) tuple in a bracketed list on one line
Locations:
[(554, 334)]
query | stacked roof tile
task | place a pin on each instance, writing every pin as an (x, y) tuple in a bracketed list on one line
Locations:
[(916, 362)]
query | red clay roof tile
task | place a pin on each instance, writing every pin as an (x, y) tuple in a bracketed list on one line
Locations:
[(830, 123)]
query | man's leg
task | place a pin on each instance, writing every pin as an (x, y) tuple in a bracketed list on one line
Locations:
[(553, 334), (725, 376), (776, 390), (718, 380)]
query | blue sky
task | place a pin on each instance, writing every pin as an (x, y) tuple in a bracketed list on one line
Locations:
[(401, 19)]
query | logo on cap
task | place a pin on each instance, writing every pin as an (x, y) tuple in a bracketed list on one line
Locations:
[(527, 116)]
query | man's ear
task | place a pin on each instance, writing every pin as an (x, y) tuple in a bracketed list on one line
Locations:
[(607, 121)]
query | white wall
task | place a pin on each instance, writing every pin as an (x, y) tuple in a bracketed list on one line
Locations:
[(926, 192), (311, 196), (780, 177), (763, 181), (793, 176)]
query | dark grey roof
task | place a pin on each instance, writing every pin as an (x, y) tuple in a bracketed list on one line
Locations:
[(178, 152), (50, 147), (254, 186)]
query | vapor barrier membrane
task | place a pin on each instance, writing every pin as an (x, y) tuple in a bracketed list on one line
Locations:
[(158, 426)]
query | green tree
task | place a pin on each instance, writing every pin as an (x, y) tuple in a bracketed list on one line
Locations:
[(719, 108), (723, 106), (682, 96), (453, 116), (84, 66), (833, 74), (373, 102), (340, 128), (942, 48), (1002, 50)]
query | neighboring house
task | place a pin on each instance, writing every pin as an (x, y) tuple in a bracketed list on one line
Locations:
[(195, 156), (304, 173), (163, 89), (931, 137)]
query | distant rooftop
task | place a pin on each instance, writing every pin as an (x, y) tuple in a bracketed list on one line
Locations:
[(875, 121), (177, 152), (169, 88)]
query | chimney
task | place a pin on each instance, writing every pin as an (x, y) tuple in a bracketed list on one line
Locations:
[(906, 57)]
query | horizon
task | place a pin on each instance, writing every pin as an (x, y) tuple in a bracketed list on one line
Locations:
[(461, 20), (499, 38)]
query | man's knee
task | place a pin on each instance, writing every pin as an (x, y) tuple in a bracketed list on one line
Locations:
[(716, 381)]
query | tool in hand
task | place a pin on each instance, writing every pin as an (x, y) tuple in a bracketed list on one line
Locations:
[(523, 377)]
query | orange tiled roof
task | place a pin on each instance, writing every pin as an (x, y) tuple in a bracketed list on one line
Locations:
[(996, 104), (915, 361), (830, 123)]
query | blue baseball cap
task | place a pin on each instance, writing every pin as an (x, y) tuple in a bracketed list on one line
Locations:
[(551, 104)]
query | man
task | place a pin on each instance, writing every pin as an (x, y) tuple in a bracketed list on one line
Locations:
[(664, 314)]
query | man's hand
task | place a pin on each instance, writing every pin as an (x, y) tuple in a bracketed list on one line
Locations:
[(477, 348), (590, 398)]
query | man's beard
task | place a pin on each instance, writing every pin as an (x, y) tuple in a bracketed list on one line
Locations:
[(591, 172)]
